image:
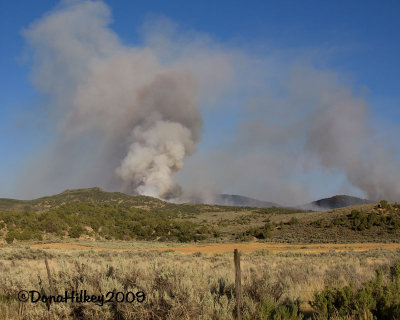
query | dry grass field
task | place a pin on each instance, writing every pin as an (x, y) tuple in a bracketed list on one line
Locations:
[(196, 285)]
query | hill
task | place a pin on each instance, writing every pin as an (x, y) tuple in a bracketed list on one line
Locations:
[(90, 195), (241, 201), (335, 202), (98, 215)]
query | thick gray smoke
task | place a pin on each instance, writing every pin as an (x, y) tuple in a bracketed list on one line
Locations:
[(308, 136), (128, 117), (339, 134), (143, 112), (341, 137), (160, 141)]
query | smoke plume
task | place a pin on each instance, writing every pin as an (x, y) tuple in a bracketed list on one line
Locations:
[(306, 136), (143, 113), (128, 117)]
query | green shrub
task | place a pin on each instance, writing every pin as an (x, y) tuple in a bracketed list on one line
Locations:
[(320, 223), (373, 299), (259, 233), (11, 235), (383, 204), (293, 221), (271, 310), (76, 231)]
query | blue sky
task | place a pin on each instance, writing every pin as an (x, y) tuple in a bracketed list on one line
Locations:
[(358, 40)]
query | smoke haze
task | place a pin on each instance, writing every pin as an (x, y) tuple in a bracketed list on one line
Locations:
[(145, 113), (127, 118), (309, 128)]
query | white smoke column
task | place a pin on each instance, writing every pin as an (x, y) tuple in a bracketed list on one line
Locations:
[(154, 155), (168, 132), (136, 114)]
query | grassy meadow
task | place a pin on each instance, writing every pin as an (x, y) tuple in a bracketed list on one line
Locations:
[(182, 286)]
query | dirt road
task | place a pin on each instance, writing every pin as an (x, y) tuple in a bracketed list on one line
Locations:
[(243, 246)]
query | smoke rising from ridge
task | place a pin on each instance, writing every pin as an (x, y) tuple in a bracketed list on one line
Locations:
[(129, 117), (340, 136), (145, 112), (312, 128)]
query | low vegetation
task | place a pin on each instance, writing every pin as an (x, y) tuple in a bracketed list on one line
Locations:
[(101, 221), (282, 286), (93, 213), (384, 217), (374, 300), (366, 223), (98, 215), (285, 286)]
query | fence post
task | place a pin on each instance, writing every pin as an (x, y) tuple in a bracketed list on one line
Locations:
[(51, 284), (238, 284)]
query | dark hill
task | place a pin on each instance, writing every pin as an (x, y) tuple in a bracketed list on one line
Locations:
[(335, 202)]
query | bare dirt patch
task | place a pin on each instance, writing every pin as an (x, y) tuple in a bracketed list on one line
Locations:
[(70, 246), (282, 247), (245, 247)]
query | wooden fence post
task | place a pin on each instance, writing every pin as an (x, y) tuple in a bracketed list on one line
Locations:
[(51, 284), (238, 284)]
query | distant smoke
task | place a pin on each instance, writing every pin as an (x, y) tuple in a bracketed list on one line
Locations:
[(342, 139), (308, 133), (127, 117), (143, 112), (339, 134)]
